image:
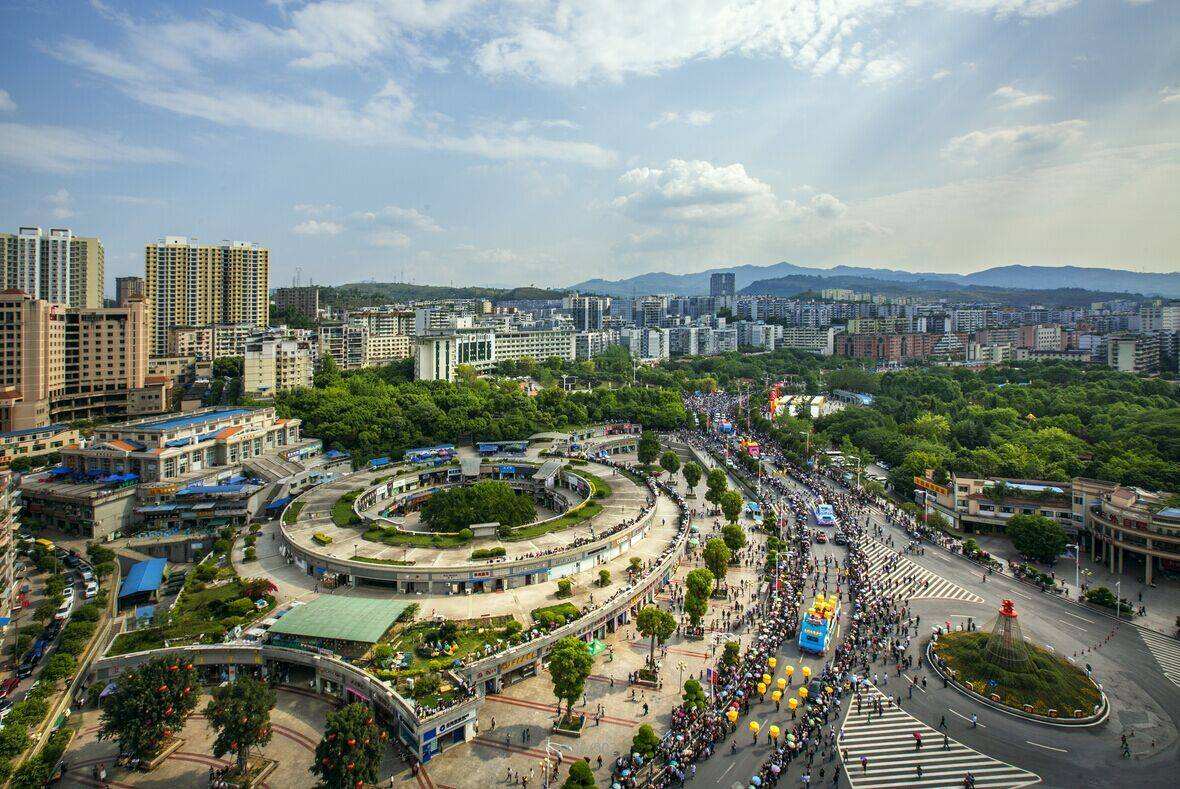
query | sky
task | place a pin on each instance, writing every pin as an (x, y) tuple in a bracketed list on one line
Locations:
[(516, 142)]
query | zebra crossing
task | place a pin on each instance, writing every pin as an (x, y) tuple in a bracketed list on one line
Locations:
[(914, 580), (1166, 652), (887, 742)]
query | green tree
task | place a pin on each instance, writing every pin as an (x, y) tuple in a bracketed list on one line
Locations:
[(457, 508), (670, 462), (731, 505), (1036, 536), (769, 521), (580, 777), (570, 663), (692, 474), (240, 714), (649, 447), (715, 485), (149, 705), (717, 555), (604, 577), (694, 695), (698, 584), (734, 537), (60, 666), (327, 373), (645, 741), (655, 623), (14, 738), (731, 653), (349, 754)]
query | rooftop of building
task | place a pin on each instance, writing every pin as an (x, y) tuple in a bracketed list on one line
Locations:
[(31, 431), (341, 618)]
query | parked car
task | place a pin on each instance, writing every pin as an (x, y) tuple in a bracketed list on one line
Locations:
[(87, 576), (63, 613), (91, 589), (7, 686)]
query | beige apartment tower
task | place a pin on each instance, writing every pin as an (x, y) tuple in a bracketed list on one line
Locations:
[(60, 364), (194, 284), (57, 266)]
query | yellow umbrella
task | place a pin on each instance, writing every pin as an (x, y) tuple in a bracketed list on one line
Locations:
[(774, 732), (754, 727), (761, 687), (806, 672), (733, 715), (790, 670), (793, 703), (766, 678), (772, 662), (778, 694), (782, 683), (803, 692)]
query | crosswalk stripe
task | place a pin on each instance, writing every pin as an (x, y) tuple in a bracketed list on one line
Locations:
[(887, 741), (879, 555), (1166, 652)]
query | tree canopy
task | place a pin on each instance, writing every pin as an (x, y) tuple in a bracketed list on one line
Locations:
[(350, 751), (149, 705), (570, 663), (655, 623), (240, 714), (454, 509), (1036, 536)]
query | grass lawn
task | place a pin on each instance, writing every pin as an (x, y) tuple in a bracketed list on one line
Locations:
[(373, 560), (470, 640), (342, 513), (1049, 681), (200, 616), (406, 540), (561, 612), (292, 513), (601, 489), (574, 518)]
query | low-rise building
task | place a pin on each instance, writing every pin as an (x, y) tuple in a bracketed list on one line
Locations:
[(1139, 354), (34, 442)]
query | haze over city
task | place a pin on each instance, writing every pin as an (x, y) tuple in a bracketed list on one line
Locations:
[(546, 143)]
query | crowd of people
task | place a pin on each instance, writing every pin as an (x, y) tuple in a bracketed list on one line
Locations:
[(880, 635)]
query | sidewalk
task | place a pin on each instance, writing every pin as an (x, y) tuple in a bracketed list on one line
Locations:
[(1162, 599)]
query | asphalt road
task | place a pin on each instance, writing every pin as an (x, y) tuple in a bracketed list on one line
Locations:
[(1145, 703)]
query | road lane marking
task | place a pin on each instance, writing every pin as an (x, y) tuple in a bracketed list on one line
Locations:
[(1071, 624), (1047, 747), (964, 717)]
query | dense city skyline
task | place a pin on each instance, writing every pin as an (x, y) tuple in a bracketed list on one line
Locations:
[(494, 143)]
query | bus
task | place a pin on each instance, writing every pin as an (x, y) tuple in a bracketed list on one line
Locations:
[(825, 515), (47, 545), (819, 625)]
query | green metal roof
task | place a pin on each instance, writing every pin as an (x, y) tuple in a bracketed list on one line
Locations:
[(360, 619)]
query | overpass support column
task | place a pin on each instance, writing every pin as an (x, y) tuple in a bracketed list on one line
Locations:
[(1147, 562)]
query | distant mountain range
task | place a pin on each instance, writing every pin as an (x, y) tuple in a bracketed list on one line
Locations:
[(1106, 280)]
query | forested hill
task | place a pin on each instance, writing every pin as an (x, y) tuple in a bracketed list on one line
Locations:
[(362, 294)]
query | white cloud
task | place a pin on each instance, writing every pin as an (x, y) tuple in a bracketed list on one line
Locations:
[(402, 217), (1170, 95), (1013, 141), (313, 209), (6, 102), (695, 192), (387, 237), (1013, 98), (136, 200), (828, 206), (942, 73), (61, 204), (60, 150), (689, 118), (317, 227), (882, 70)]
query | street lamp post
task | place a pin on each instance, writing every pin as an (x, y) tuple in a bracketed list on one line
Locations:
[(1118, 599)]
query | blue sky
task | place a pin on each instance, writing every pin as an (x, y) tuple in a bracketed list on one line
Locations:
[(549, 141)]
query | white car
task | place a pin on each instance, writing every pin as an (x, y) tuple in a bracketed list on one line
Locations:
[(63, 613), (91, 589)]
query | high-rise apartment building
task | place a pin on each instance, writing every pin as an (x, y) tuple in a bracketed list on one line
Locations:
[(722, 284), (588, 312), (193, 284), (274, 365), (57, 266), (128, 288), (60, 364), (302, 300)]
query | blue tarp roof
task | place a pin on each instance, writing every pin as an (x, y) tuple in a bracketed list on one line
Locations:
[(278, 504), (145, 612), (378, 462), (335, 453), (203, 489), (188, 421), (143, 576)]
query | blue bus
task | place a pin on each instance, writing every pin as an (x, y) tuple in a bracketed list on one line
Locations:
[(825, 515), (819, 625)]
